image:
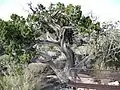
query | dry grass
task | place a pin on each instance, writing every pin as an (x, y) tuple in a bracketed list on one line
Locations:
[(14, 81)]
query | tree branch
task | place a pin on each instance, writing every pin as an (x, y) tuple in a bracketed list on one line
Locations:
[(31, 8), (48, 60), (47, 42), (67, 51)]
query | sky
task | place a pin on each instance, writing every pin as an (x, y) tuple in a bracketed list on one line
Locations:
[(105, 10)]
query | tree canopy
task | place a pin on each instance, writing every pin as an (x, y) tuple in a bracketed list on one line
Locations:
[(18, 34)]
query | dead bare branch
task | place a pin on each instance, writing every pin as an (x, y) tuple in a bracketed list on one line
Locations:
[(47, 42), (60, 73)]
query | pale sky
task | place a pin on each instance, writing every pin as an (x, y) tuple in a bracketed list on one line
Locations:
[(105, 10)]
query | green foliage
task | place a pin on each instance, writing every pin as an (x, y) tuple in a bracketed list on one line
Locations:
[(16, 38), (63, 16), (17, 35)]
